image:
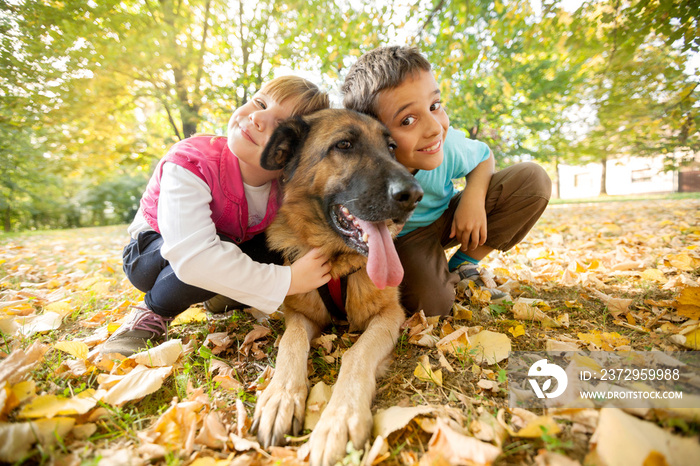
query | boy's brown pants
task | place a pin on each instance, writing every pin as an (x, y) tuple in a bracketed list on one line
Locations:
[(516, 198)]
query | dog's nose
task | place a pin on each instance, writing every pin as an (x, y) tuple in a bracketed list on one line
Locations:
[(406, 193)]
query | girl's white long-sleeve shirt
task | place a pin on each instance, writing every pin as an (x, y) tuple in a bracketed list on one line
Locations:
[(197, 255)]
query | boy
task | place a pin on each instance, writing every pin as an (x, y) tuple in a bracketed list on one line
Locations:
[(495, 211)]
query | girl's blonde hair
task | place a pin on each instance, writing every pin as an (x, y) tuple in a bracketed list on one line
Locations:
[(308, 96)]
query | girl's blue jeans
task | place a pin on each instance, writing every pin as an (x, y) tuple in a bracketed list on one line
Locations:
[(166, 295)]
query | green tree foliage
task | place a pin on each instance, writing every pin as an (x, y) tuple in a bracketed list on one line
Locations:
[(505, 71), (94, 92), (643, 101), (101, 89)]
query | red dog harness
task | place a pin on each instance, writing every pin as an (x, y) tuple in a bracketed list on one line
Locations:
[(334, 295)]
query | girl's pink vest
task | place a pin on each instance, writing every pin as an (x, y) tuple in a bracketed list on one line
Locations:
[(211, 160)]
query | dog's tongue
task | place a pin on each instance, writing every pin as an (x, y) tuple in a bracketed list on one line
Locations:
[(383, 264)]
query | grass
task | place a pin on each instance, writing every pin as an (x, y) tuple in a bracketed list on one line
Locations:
[(626, 198), (70, 257)]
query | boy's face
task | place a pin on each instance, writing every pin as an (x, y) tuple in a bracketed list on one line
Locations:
[(418, 123), (252, 124)]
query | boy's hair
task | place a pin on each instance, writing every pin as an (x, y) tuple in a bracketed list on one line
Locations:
[(308, 96), (377, 70)]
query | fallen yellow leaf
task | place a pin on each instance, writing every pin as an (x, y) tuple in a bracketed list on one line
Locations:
[(425, 373), (48, 406), (517, 331), (621, 438), (450, 447), (456, 343), (76, 349), (684, 262), (389, 420), (605, 340), (489, 346), (688, 302), (20, 436), (654, 275), (138, 383), (539, 426), (62, 308), (193, 314)]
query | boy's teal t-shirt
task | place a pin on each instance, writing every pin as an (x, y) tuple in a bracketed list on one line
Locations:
[(461, 156)]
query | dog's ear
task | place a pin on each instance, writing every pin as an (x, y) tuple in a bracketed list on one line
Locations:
[(284, 144)]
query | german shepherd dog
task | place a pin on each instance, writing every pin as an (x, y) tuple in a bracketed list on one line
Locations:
[(345, 193)]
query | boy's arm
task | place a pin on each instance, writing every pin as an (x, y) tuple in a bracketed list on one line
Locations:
[(469, 223)]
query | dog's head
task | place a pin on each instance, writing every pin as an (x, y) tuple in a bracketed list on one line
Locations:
[(339, 170)]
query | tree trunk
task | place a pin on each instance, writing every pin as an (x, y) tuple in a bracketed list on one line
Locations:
[(604, 176), (557, 181), (7, 219)]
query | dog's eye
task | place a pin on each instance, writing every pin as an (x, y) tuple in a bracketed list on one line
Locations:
[(392, 147), (344, 145)]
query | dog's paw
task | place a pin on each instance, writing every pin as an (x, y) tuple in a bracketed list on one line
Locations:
[(338, 425), (280, 411)]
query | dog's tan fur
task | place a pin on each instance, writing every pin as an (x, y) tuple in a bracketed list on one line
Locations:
[(299, 227)]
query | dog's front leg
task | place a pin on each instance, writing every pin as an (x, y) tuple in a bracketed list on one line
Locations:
[(348, 415), (280, 408)]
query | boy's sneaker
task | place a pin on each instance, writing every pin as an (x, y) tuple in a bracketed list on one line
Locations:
[(471, 273), (220, 304), (141, 327)]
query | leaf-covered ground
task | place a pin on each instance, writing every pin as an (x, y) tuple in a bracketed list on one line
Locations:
[(612, 276)]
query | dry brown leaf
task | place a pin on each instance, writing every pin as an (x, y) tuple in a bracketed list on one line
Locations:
[(319, 395), (623, 439), (549, 458), (213, 433), (325, 342), (530, 309), (45, 322), (175, 429), (16, 439), (457, 448), (556, 345), (165, 354), (138, 383), (218, 342), (257, 333), (390, 420), (456, 343), (488, 429), (616, 306), (20, 362)]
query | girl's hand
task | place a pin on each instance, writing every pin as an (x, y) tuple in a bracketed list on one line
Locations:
[(309, 272), (469, 224)]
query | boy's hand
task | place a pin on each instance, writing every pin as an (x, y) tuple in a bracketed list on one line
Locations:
[(469, 225), (309, 272)]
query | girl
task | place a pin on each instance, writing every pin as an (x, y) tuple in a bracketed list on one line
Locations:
[(196, 233)]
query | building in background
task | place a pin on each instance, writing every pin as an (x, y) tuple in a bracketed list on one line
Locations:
[(627, 176)]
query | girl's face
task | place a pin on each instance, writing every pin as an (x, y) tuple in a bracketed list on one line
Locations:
[(249, 129)]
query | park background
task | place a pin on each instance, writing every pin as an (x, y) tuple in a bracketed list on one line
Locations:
[(94, 92)]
